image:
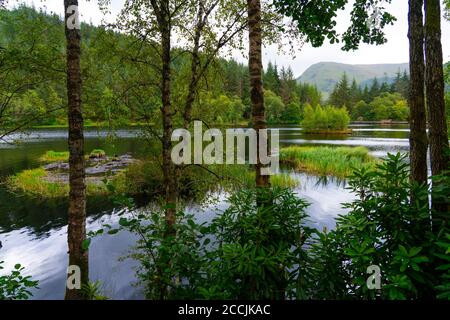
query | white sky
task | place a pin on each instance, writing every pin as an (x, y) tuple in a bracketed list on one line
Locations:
[(394, 51)]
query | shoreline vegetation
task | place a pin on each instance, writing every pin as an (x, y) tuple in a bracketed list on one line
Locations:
[(325, 120), (339, 162), (331, 132), (136, 177), (240, 124)]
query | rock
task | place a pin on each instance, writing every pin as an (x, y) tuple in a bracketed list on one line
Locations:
[(94, 167), (57, 166)]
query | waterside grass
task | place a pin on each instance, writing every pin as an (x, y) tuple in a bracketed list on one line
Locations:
[(63, 156), (37, 183), (321, 160)]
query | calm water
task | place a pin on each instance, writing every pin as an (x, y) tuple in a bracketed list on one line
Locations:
[(33, 232)]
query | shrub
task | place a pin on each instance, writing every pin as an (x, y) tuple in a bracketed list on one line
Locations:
[(15, 286), (384, 228), (247, 252), (259, 249)]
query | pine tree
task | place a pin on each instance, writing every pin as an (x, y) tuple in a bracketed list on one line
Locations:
[(355, 95), (341, 94), (374, 89)]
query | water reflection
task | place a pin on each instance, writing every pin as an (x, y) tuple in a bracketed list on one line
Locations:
[(33, 231)]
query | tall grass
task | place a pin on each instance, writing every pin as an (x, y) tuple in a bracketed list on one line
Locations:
[(55, 156), (145, 177), (35, 183), (321, 160)]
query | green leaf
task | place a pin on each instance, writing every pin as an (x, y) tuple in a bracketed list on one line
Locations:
[(124, 222), (85, 244)]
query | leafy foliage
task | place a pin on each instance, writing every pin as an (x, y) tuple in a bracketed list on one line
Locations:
[(260, 247), (325, 119), (248, 251), (260, 252), (316, 20), (15, 286), (384, 228)]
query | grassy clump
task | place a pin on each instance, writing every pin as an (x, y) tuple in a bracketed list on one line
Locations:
[(57, 156), (34, 183), (339, 162), (97, 153), (54, 156), (145, 177)]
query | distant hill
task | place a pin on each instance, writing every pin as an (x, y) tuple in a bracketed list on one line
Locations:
[(326, 74)]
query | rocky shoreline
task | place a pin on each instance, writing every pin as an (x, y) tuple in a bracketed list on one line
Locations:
[(97, 168)]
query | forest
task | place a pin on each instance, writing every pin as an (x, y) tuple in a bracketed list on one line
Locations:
[(339, 196)]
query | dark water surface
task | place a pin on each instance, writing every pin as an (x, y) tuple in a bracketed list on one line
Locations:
[(33, 231)]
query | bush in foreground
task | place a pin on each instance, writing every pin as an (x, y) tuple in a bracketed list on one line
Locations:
[(15, 286), (253, 251)]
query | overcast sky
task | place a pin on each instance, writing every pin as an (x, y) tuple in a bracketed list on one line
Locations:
[(394, 51)]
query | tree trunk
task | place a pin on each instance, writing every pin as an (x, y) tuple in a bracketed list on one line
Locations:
[(256, 88), (168, 167), (76, 232), (435, 93), (418, 136), (195, 64)]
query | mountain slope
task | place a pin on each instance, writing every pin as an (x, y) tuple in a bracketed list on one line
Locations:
[(326, 74)]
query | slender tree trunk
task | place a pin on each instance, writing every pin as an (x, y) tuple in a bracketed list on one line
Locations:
[(166, 110), (76, 232), (435, 93), (256, 88), (418, 136), (195, 64)]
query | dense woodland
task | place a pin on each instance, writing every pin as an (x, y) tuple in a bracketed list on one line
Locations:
[(107, 68), (226, 91), (161, 65)]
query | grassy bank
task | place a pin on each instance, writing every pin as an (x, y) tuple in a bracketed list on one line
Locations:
[(88, 125), (195, 181), (321, 131), (338, 162), (56, 156), (145, 177), (37, 183)]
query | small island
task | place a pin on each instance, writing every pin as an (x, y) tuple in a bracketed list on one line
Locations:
[(325, 120), (51, 180)]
